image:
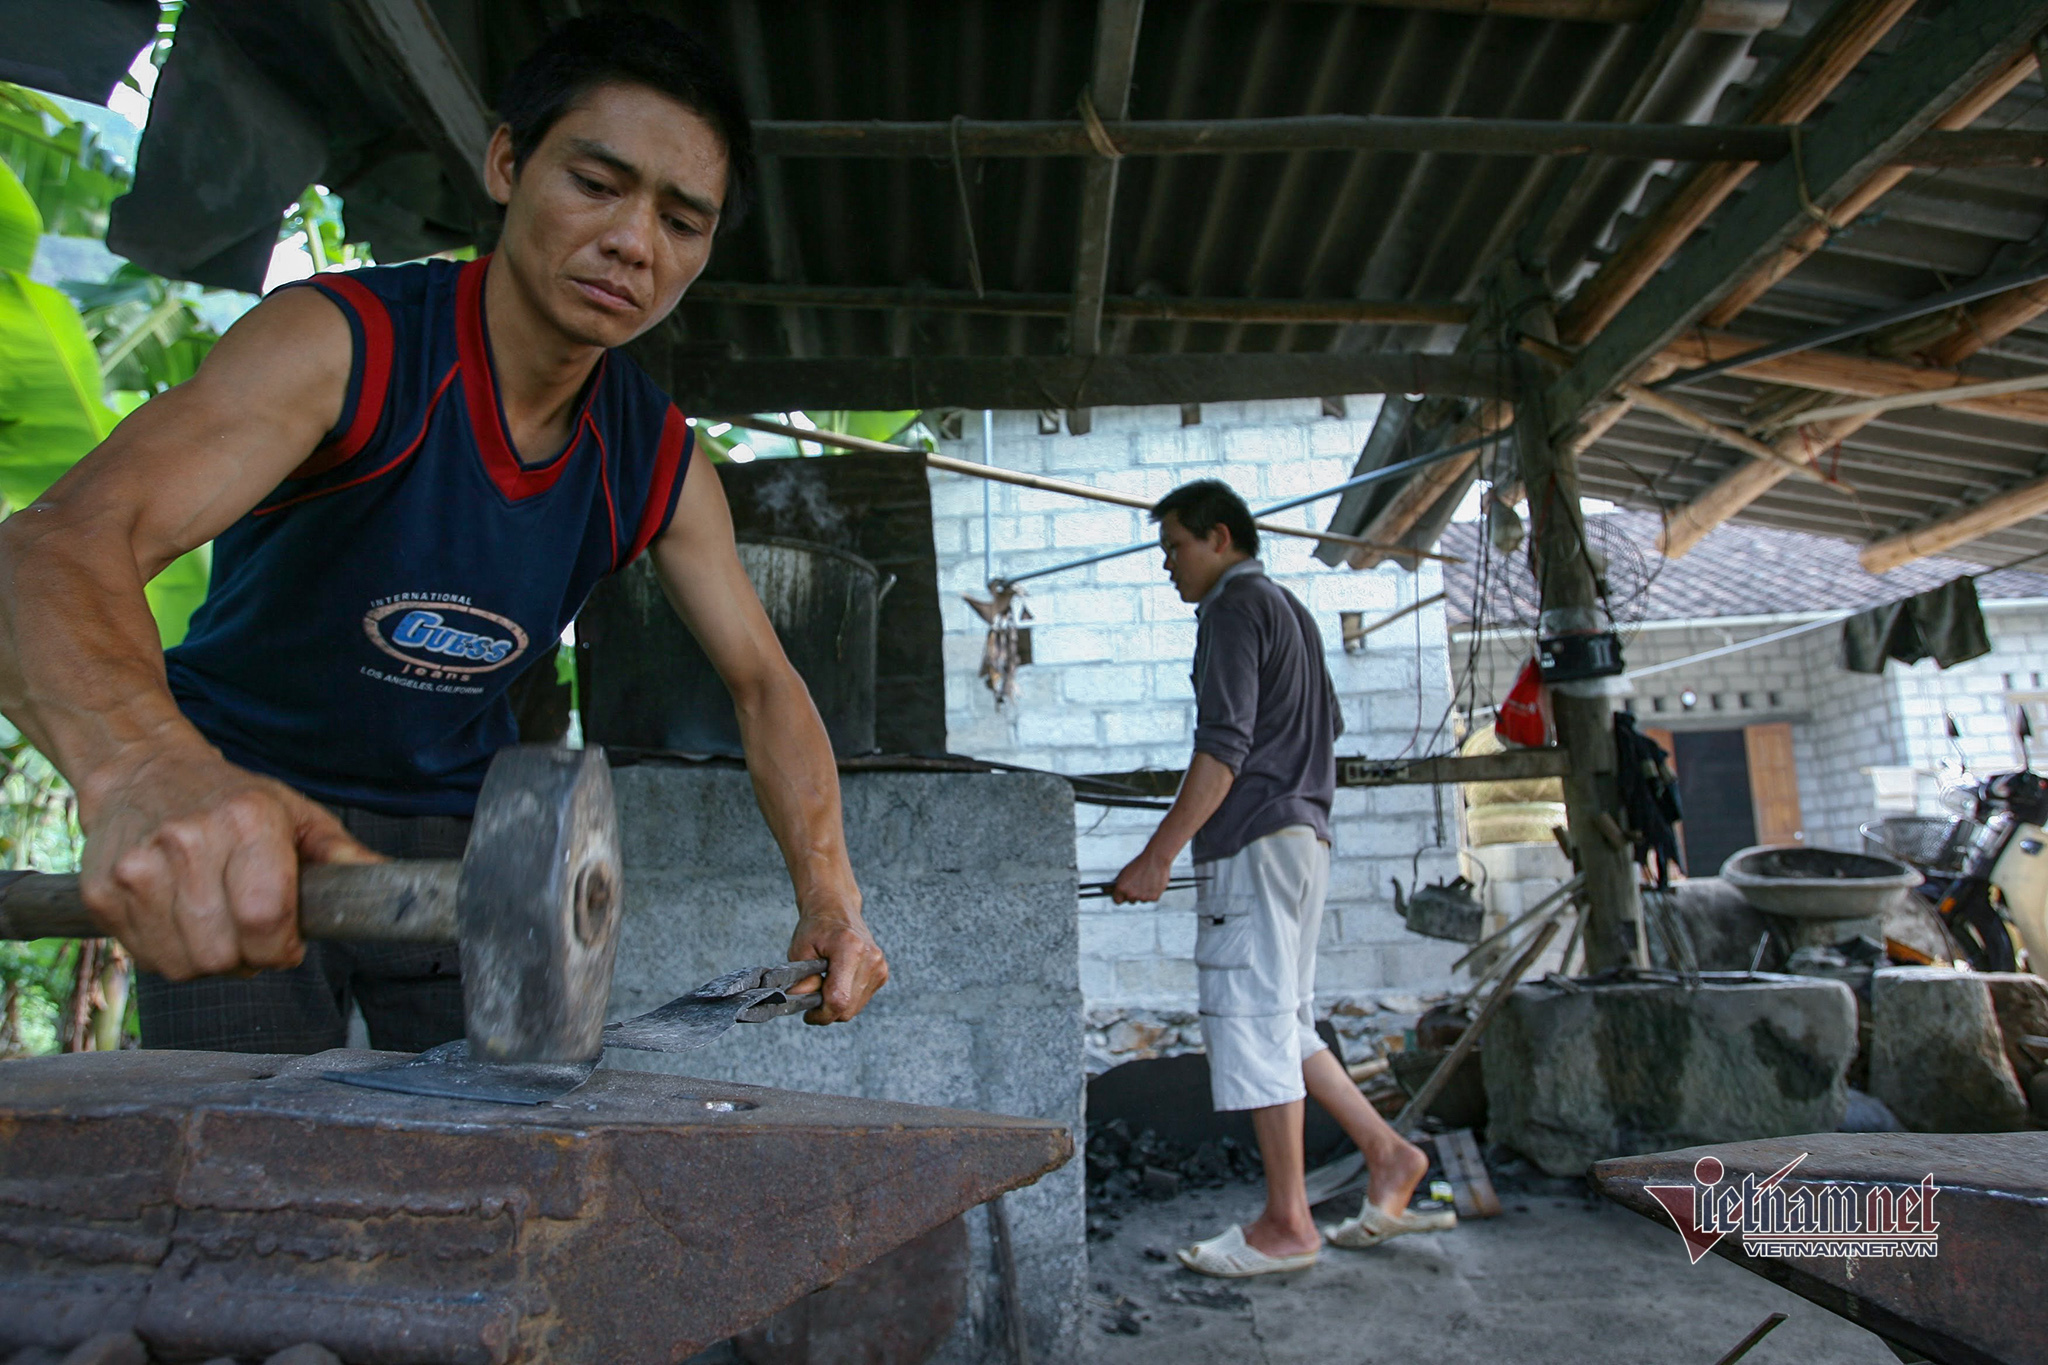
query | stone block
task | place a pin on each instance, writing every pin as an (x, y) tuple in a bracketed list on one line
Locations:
[(1937, 1054), (1617, 1070), (969, 886)]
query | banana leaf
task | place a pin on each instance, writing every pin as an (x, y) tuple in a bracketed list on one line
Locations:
[(71, 177), (51, 409), (21, 223)]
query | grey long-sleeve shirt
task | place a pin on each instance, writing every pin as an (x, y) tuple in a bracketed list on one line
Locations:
[(1265, 708)]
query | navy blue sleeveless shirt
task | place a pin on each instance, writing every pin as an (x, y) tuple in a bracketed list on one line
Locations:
[(364, 620)]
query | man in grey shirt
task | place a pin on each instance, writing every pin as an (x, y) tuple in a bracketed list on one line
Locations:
[(1256, 804)]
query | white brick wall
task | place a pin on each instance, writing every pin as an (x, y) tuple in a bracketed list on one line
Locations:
[(1112, 643), (1842, 722)]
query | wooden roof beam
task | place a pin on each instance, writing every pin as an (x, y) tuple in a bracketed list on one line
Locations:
[(778, 224), (1716, 16), (1109, 96), (1951, 55), (1146, 307), (1028, 383), (1814, 236), (1831, 52), (1860, 376), (1992, 515), (1744, 145), (1422, 491)]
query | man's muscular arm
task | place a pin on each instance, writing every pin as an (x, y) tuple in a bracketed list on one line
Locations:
[(189, 860), (788, 755)]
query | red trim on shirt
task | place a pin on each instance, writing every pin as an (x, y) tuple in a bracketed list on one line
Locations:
[(375, 382), (377, 473), (604, 481), (669, 458), (480, 394)]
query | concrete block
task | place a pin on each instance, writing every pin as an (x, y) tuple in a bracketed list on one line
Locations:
[(1937, 1055), (1120, 933), (1105, 683), (1177, 930), (1075, 605), (1146, 726), (1061, 726), (1156, 980), (969, 886), (1074, 644), (1172, 682), (1096, 530), (1572, 1077)]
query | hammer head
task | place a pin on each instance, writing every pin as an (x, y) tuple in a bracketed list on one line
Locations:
[(539, 905)]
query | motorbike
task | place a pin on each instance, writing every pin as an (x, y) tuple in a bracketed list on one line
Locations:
[(1986, 870)]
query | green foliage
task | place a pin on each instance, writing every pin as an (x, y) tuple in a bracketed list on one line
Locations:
[(38, 829), (137, 333), (70, 176), (317, 218), (148, 337), (901, 428)]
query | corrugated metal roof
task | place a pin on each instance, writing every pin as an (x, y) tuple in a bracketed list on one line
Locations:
[(1421, 227), (1741, 570), (1305, 225), (1938, 229)]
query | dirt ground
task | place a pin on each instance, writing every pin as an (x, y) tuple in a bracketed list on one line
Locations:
[(1558, 1279)]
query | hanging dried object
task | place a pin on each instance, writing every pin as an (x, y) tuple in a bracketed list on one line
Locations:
[(1002, 652)]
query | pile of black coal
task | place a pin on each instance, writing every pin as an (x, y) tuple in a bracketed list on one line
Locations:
[(1123, 1167)]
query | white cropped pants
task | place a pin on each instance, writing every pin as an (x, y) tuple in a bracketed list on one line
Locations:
[(1257, 919)]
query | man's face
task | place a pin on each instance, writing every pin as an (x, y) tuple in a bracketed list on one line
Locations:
[(611, 218), (1193, 562)]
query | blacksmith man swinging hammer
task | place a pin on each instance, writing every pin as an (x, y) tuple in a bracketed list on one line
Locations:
[(412, 477)]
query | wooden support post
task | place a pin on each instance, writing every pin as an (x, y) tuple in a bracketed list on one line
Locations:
[(1585, 725)]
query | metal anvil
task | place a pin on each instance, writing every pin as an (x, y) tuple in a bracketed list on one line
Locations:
[(223, 1204)]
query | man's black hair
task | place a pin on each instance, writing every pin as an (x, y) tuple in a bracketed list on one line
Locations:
[(1204, 505), (637, 49)]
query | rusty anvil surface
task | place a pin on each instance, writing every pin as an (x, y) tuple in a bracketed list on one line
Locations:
[(1978, 1301), (222, 1204)]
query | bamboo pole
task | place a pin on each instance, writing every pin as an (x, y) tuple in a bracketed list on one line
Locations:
[(1856, 375), (1929, 398), (1992, 515), (1042, 484), (1727, 436)]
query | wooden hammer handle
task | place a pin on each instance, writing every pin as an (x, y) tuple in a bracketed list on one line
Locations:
[(397, 902)]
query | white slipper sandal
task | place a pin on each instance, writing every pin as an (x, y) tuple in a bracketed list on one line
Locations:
[(1228, 1256), (1374, 1225)]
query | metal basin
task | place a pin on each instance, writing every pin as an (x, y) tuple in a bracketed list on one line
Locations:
[(1817, 883)]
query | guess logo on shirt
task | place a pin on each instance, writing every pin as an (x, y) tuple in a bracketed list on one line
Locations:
[(443, 637)]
